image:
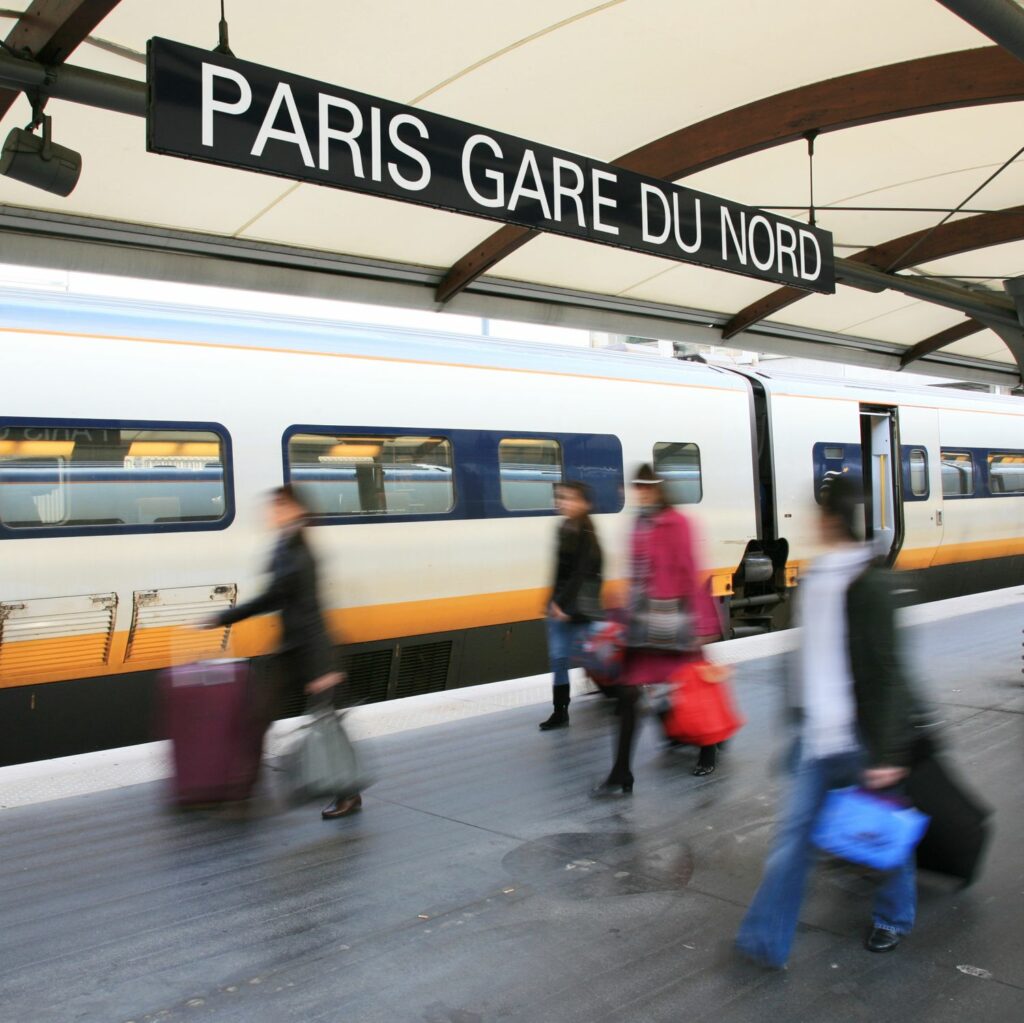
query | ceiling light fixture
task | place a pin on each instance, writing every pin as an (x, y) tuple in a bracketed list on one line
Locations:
[(38, 161)]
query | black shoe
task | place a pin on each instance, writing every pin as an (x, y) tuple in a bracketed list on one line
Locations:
[(341, 808), (706, 762), (559, 719), (610, 787), (881, 939)]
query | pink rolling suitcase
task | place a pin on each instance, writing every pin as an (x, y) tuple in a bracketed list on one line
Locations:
[(209, 717)]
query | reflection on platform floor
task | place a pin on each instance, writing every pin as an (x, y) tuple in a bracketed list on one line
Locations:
[(481, 883)]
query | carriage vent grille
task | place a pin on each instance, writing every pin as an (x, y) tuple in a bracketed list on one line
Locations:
[(165, 624), (368, 676), (423, 668), (55, 634)]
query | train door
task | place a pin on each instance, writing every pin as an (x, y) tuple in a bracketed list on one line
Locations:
[(922, 487), (883, 518)]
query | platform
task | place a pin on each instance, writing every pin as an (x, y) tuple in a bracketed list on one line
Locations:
[(480, 883)]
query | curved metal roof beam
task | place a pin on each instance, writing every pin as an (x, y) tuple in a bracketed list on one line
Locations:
[(950, 239), (944, 337), (50, 30), (945, 81)]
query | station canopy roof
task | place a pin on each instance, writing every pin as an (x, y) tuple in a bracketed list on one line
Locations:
[(716, 96)]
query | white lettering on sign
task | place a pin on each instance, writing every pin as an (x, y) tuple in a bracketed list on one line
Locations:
[(232, 114), (648, 192), (596, 177), (805, 238), (671, 218), (297, 135), (557, 166), (768, 245), (767, 242), (327, 133), (739, 240), (528, 165), (787, 247), (498, 199), (677, 220), (375, 171), (211, 106), (416, 184)]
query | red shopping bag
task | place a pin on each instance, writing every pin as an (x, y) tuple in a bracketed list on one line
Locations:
[(702, 711)]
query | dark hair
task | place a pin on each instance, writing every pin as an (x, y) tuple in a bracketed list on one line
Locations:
[(287, 494), (841, 500), (645, 476), (583, 491)]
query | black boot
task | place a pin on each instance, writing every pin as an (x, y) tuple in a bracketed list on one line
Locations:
[(560, 716), (707, 761)]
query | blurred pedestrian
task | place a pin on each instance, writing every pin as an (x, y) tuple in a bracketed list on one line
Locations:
[(304, 664), (670, 616), (576, 593), (855, 716)]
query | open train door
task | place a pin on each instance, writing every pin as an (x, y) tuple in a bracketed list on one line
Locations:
[(883, 506)]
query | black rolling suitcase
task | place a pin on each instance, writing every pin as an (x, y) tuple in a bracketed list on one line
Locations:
[(956, 838)]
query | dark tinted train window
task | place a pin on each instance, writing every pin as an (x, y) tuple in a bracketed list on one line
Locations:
[(1006, 472), (372, 475), (918, 472), (833, 460), (957, 474), (530, 469), (63, 477), (678, 464)]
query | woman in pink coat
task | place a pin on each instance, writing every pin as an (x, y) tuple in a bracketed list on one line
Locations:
[(666, 592)]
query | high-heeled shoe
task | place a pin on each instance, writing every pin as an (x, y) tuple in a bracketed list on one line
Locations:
[(610, 787)]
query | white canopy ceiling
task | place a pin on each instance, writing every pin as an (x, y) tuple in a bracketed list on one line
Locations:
[(600, 79)]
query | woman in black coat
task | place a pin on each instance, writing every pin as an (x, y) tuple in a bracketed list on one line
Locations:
[(305, 657), (576, 591)]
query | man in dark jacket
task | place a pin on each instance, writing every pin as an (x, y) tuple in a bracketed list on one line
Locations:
[(305, 658), (851, 699)]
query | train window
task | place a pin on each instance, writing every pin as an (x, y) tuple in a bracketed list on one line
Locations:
[(530, 469), (679, 466), (918, 472), (1006, 472), (830, 461), (957, 474), (83, 476), (371, 475)]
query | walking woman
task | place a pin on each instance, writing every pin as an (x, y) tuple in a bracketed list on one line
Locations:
[(305, 658), (670, 616), (576, 593)]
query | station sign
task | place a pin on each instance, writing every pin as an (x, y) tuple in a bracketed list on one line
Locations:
[(205, 105)]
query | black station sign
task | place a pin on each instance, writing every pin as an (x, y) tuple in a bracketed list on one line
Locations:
[(207, 106)]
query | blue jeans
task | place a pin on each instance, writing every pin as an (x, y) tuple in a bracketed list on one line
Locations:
[(767, 930), (561, 637)]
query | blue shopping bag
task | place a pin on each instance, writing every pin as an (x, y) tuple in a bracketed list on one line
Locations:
[(865, 827)]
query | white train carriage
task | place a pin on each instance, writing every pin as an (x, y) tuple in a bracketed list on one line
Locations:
[(136, 445)]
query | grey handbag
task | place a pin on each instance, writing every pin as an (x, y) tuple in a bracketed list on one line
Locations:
[(322, 760), (660, 625)]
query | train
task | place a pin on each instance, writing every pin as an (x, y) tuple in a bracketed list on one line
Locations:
[(138, 442)]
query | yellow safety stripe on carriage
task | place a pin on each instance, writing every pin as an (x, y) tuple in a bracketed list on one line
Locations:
[(955, 553), (61, 656), (40, 661), (374, 622)]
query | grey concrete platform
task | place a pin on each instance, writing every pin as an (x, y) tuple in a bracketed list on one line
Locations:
[(480, 883)]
